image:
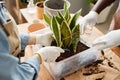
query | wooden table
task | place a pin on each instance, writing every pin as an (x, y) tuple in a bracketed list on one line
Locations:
[(29, 17), (44, 75)]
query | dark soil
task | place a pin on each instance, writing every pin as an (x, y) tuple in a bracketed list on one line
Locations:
[(40, 5), (55, 4), (69, 52)]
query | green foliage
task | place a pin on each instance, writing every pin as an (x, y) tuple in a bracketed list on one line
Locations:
[(92, 1), (66, 32)]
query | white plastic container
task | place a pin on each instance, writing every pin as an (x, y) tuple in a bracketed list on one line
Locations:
[(53, 12), (65, 67)]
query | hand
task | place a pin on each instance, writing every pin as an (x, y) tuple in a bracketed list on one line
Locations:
[(50, 53), (90, 19), (109, 40), (45, 38)]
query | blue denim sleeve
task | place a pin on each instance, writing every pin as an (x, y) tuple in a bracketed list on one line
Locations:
[(10, 68), (24, 40), (2, 14)]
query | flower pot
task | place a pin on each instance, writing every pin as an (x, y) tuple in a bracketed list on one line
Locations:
[(39, 10), (51, 7), (67, 66)]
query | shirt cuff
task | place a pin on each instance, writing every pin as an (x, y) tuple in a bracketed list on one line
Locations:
[(35, 63), (24, 40)]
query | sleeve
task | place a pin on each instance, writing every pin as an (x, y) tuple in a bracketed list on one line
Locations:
[(11, 69), (2, 14), (24, 40), (101, 5)]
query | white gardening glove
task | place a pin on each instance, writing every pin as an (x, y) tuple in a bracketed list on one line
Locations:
[(50, 53), (45, 38), (90, 19), (111, 39)]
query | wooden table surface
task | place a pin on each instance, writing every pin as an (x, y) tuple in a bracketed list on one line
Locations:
[(29, 17), (44, 74)]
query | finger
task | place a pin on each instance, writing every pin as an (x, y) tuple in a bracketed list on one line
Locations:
[(48, 33), (91, 26), (100, 40), (60, 50), (82, 29)]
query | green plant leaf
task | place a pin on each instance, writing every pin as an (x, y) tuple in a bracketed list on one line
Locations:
[(75, 37), (67, 15), (56, 31), (65, 7), (90, 1), (60, 18), (73, 21), (66, 34), (46, 18), (66, 12)]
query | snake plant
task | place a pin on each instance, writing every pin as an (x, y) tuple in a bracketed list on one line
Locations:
[(66, 32)]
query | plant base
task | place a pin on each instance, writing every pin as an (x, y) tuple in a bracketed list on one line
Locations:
[(69, 52)]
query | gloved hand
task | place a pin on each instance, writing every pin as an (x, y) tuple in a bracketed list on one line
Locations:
[(45, 38), (90, 19), (50, 53), (109, 40)]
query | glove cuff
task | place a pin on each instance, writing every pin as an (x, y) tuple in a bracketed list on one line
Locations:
[(94, 12), (37, 39), (40, 58)]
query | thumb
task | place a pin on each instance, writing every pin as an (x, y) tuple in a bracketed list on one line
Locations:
[(82, 28), (59, 49), (49, 33), (98, 43)]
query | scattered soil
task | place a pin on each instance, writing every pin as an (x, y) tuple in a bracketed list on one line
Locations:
[(93, 68), (110, 64), (62, 79), (55, 4)]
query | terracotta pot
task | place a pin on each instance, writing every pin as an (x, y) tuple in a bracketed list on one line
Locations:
[(39, 10)]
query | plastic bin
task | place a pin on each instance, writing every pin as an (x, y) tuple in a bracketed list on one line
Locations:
[(65, 67)]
